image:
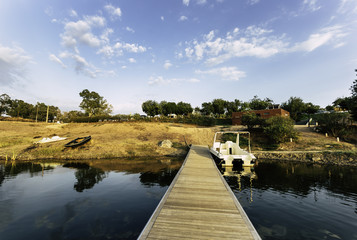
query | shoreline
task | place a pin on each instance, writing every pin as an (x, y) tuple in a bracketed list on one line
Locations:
[(340, 158), (140, 140)]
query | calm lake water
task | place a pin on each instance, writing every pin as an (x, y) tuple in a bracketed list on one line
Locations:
[(297, 200), (113, 199), (81, 200)]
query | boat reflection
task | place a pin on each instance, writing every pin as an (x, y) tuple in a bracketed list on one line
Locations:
[(240, 172)]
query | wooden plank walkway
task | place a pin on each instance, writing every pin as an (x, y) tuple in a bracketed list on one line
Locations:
[(199, 204)]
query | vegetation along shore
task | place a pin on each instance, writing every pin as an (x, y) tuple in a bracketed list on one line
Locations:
[(19, 141), (326, 135)]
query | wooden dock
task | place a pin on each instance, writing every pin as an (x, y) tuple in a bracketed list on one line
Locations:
[(199, 204)]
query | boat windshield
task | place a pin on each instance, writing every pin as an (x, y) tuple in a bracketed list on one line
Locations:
[(243, 141)]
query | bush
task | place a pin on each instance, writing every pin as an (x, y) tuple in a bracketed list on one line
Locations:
[(251, 119), (224, 121), (280, 129), (335, 124)]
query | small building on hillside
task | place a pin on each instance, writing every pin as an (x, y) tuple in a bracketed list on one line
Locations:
[(265, 114)]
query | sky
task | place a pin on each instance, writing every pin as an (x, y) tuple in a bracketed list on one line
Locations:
[(130, 51)]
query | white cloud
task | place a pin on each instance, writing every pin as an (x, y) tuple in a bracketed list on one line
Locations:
[(256, 42), (311, 5), (183, 18), (347, 6), (167, 64), (106, 50), (132, 60), (124, 67), (201, 2), (73, 13), (81, 65), (55, 59), (159, 80), (333, 35), (130, 29), (80, 32), (162, 18), (113, 11), (135, 48), (95, 21), (226, 73), (253, 2), (12, 64), (105, 35)]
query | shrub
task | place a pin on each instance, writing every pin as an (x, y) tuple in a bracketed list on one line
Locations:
[(251, 119), (280, 129), (334, 123)]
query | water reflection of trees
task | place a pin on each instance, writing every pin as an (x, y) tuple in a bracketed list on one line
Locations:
[(302, 178), (86, 175), (161, 178), (12, 169), (152, 172)]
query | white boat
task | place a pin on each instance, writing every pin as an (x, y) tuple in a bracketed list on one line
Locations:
[(230, 151)]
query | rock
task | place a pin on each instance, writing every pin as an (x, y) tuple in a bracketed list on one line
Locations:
[(165, 144)]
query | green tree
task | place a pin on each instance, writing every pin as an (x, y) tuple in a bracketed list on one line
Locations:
[(295, 106), (251, 119), (233, 106), (183, 108), (219, 106), (207, 108), (69, 116), (353, 109), (279, 129), (93, 104), (311, 108), (20, 108), (259, 104), (336, 124), (344, 103), (5, 103), (40, 109), (151, 108), (329, 108), (168, 107)]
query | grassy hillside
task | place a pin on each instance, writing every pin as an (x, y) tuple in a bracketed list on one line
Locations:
[(131, 139)]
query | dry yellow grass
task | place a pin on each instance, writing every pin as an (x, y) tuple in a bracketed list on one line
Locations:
[(109, 140), (128, 139), (312, 141)]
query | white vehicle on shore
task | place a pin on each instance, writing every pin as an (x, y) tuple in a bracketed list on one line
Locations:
[(230, 151)]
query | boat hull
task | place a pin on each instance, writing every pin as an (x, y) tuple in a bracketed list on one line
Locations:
[(78, 142), (247, 159)]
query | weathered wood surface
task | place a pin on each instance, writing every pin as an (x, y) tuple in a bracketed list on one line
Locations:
[(199, 205)]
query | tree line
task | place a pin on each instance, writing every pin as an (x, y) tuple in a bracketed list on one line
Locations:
[(220, 108), (21, 109), (94, 105)]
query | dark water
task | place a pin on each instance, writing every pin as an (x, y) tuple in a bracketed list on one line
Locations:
[(114, 199), (81, 200), (297, 200)]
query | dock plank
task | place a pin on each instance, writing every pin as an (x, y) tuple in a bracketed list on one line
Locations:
[(199, 205)]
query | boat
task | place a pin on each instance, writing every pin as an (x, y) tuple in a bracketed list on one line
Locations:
[(229, 151), (78, 141)]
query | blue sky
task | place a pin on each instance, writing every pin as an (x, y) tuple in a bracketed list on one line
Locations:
[(130, 51)]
